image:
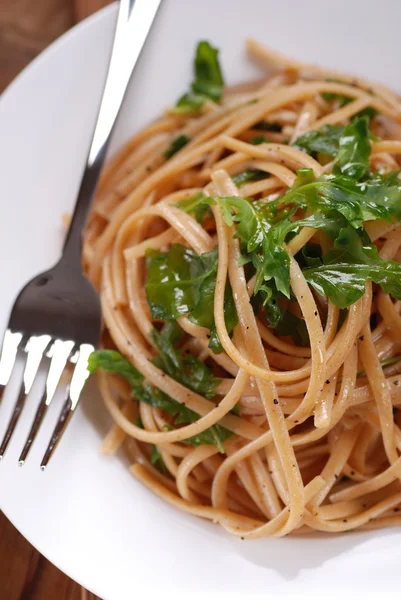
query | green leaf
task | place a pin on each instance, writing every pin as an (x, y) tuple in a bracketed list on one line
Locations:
[(189, 102), (290, 325), (230, 316), (176, 145), (157, 461), (180, 282), (175, 279), (348, 266), (259, 139), (263, 242), (138, 422), (377, 197), (267, 299), (249, 175), (325, 140), (186, 369), (268, 126), (208, 76), (390, 361), (343, 100), (112, 361), (352, 159), (331, 222), (340, 98), (236, 409), (350, 145), (208, 80), (311, 255), (197, 205)]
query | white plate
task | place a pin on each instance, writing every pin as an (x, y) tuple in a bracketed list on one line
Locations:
[(86, 513)]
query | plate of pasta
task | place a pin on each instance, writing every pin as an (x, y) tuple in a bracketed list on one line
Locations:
[(242, 428)]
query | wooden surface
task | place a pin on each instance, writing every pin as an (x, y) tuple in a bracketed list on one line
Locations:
[(26, 28)]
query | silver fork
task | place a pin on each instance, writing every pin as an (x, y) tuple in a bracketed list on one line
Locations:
[(57, 314)]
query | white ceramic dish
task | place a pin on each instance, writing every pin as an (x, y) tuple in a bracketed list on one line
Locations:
[(86, 513)]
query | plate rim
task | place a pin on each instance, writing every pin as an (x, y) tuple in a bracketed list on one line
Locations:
[(65, 38), (68, 37)]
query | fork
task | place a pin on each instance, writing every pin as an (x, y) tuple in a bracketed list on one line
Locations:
[(58, 314)]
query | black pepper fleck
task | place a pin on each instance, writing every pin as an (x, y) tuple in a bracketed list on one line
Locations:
[(352, 472), (361, 338), (315, 313), (396, 509), (345, 520), (327, 381), (275, 401), (396, 382)]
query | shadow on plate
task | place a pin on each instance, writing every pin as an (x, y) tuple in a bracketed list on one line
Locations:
[(287, 557), (293, 554)]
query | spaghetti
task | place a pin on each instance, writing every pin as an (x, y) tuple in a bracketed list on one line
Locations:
[(245, 246)]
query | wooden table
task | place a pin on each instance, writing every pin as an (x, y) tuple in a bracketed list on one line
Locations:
[(26, 27)]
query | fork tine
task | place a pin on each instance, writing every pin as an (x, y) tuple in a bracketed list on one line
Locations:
[(73, 393), (9, 350), (35, 349), (60, 352)]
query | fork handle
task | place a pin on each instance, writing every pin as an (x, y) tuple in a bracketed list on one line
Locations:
[(134, 20)]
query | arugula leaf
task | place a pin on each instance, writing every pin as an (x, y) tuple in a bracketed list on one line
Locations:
[(180, 282), (384, 363), (340, 98), (290, 325), (236, 409), (112, 361), (208, 77), (259, 139), (203, 313), (249, 175), (197, 205), (325, 140), (176, 145), (268, 126), (350, 145), (186, 369), (175, 279), (331, 222), (172, 332), (208, 81), (310, 255), (390, 361), (267, 300), (263, 242), (157, 461), (348, 266), (377, 197), (352, 159)]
